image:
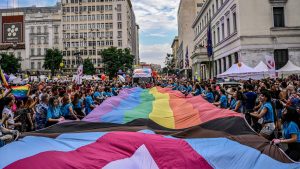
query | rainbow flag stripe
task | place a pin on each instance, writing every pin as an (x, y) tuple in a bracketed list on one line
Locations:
[(20, 92), (168, 108)]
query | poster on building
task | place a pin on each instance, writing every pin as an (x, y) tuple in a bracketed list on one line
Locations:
[(12, 32), (270, 62)]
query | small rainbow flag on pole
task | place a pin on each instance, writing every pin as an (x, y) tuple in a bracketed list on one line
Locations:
[(20, 92), (3, 79)]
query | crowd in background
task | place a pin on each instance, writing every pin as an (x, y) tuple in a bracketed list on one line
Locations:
[(270, 106)]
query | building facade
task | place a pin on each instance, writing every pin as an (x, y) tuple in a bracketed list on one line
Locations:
[(33, 30), (187, 12), (42, 32), (89, 26), (174, 47), (241, 35)]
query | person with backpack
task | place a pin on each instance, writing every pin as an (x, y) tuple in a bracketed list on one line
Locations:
[(265, 115)]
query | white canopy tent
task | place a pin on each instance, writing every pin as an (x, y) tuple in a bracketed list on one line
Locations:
[(261, 67), (238, 71), (262, 71), (289, 68)]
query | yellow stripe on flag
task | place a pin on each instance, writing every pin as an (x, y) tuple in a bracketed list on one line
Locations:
[(162, 113)]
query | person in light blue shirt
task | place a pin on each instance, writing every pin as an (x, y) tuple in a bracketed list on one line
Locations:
[(209, 96), (291, 133), (67, 109), (223, 100), (54, 113), (89, 102), (189, 87), (266, 114), (198, 90)]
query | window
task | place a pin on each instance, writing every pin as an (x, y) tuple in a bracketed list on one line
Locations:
[(46, 40), (45, 29), (228, 27), (119, 25), (214, 34), (39, 51), (39, 65), (230, 60), (56, 40), (218, 32), (31, 40), (38, 40), (120, 43), (56, 29), (38, 29), (278, 15), (119, 34), (225, 64), (119, 16), (32, 52), (236, 57), (217, 4), (220, 67), (234, 22), (223, 31), (19, 54), (31, 29), (32, 65), (45, 51), (213, 9), (281, 57), (119, 7)]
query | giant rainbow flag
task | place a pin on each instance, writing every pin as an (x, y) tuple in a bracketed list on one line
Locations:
[(165, 107), (148, 128)]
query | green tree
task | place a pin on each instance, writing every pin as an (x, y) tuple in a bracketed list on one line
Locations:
[(116, 59), (53, 58), (88, 67), (170, 64), (9, 63)]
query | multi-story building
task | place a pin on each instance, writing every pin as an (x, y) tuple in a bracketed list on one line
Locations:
[(246, 31), (89, 26), (42, 32), (187, 12), (32, 30), (12, 33), (174, 47)]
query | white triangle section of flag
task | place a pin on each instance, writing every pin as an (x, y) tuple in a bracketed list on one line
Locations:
[(140, 159)]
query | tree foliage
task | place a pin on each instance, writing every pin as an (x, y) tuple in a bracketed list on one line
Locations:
[(88, 67), (53, 58), (116, 59), (170, 64), (9, 63)]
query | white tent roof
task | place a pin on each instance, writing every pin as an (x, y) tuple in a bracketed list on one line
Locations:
[(289, 67), (238, 70), (261, 67)]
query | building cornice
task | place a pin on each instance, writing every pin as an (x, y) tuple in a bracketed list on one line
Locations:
[(278, 1)]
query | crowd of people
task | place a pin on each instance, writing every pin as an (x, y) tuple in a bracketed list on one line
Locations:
[(270, 106)]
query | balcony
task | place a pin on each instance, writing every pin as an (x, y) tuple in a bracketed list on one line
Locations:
[(199, 55)]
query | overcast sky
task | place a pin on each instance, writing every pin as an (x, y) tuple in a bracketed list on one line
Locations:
[(157, 20)]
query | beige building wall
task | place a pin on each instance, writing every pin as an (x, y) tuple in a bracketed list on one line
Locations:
[(90, 27), (174, 47), (254, 37), (187, 12)]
